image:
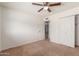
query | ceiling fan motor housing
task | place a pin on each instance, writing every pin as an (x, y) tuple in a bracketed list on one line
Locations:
[(46, 6)]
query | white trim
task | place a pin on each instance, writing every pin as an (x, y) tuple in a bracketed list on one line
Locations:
[(22, 43)]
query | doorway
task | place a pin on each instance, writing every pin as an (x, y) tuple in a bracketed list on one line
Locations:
[(46, 22)]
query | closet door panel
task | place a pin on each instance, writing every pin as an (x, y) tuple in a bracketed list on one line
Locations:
[(63, 31)]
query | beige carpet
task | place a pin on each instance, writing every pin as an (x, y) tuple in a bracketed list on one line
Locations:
[(43, 48)]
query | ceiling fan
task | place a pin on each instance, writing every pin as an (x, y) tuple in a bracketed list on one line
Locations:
[(46, 6)]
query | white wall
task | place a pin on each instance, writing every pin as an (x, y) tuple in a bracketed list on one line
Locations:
[(0, 27), (20, 28), (64, 6)]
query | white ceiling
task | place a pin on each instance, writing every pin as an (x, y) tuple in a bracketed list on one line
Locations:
[(32, 9)]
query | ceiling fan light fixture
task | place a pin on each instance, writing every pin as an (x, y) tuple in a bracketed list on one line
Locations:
[(45, 7)]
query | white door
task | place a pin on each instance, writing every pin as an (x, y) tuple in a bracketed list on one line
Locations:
[(62, 30)]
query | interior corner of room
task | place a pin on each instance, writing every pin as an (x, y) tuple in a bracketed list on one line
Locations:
[(21, 23)]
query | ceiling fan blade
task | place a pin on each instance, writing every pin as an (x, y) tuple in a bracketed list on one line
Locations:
[(55, 4), (47, 3), (40, 9), (49, 10), (37, 4)]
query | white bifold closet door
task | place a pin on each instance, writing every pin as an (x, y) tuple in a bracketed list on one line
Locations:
[(62, 30)]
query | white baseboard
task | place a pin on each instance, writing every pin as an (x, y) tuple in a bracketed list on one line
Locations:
[(57, 42), (20, 44)]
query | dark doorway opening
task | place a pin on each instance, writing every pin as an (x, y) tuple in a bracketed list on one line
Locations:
[(47, 29)]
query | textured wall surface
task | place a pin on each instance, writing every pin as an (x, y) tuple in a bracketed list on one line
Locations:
[(20, 28)]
